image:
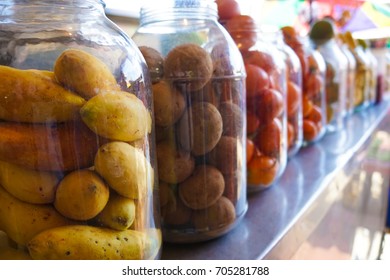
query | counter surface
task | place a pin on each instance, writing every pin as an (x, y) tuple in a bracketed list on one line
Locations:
[(280, 218)]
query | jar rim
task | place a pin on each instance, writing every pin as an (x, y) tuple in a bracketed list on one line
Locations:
[(35, 11), (83, 3), (205, 9), (181, 4)]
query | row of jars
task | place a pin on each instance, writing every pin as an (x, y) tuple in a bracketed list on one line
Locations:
[(233, 101), (89, 114), (110, 145)]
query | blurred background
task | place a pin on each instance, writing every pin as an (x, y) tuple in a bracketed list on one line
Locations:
[(366, 19)]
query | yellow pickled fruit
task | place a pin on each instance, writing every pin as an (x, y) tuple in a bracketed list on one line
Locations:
[(349, 40), (341, 37), (83, 73), (119, 213), (21, 221), (79, 242), (28, 185), (117, 115), (125, 169), (9, 253), (81, 195), (33, 96)]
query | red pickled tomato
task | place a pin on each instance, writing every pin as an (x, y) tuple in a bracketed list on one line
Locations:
[(256, 80), (261, 59), (307, 106), (262, 169), (242, 28), (313, 84), (227, 9), (252, 123), (276, 81), (250, 149), (310, 130), (304, 62), (269, 137), (293, 98), (290, 134), (270, 104), (312, 64), (315, 115)]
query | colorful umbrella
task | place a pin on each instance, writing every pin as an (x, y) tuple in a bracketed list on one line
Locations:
[(368, 16)]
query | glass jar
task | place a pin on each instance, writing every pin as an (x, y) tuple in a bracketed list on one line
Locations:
[(379, 50), (351, 76), (386, 93), (373, 80), (362, 79), (70, 188), (336, 73), (314, 104), (313, 85), (361, 100), (294, 100), (265, 100), (372, 71), (199, 104)]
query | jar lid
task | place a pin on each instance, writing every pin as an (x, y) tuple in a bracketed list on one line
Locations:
[(181, 8)]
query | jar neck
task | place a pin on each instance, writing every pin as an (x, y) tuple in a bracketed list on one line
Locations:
[(48, 11), (271, 35), (178, 10)]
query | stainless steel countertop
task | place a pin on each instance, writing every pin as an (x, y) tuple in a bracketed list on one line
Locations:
[(281, 218)]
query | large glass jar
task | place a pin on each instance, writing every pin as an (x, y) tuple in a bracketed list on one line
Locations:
[(77, 152), (198, 80), (336, 73), (386, 93), (351, 75), (372, 71), (266, 102), (313, 85), (314, 104), (362, 76), (379, 50), (294, 100)]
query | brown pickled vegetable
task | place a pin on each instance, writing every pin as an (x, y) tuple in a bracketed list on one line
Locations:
[(190, 64), (201, 126), (174, 165), (203, 188)]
